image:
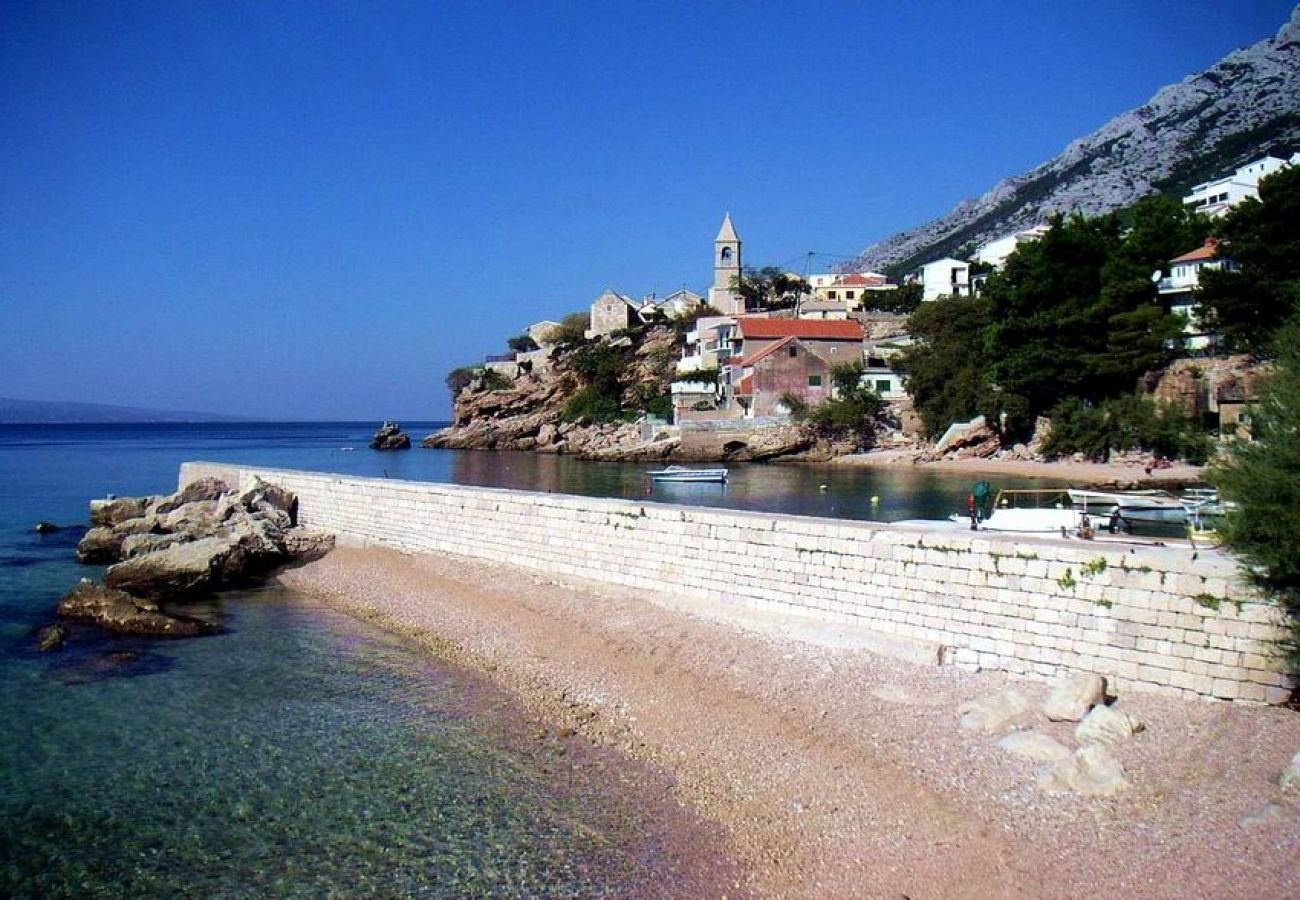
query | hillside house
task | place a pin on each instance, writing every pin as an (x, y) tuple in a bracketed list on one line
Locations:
[(850, 288), (945, 277), (1215, 198), (679, 303), (541, 332), (995, 252), (1178, 291), (787, 366), (824, 310), (838, 341), (611, 312)]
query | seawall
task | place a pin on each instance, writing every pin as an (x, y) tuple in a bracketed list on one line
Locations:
[(1149, 618)]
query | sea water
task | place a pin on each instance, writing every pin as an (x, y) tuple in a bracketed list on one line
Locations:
[(304, 752)]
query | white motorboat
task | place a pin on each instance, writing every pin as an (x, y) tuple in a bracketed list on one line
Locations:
[(688, 475), (1153, 507), (1031, 512)]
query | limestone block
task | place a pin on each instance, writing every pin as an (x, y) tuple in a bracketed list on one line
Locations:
[(1091, 771), (1073, 695), (997, 713), (1108, 726)]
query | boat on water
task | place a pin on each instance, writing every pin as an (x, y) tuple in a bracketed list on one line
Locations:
[(1150, 507), (1049, 511), (688, 475)]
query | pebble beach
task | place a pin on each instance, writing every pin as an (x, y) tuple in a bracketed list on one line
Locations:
[(834, 771)]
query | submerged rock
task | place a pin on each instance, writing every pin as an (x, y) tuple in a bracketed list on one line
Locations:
[(46, 527), (121, 613), (390, 437), (51, 637)]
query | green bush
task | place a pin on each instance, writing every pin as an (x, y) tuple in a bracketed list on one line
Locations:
[(459, 378), (1132, 422), (1262, 477), (591, 405), (495, 381), (851, 414), (522, 343), (572, 329)]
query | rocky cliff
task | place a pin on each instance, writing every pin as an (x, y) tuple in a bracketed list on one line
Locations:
[(1244, 106)]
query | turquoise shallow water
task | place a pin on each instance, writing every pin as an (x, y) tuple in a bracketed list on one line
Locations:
[(303, 752), (300, 753)]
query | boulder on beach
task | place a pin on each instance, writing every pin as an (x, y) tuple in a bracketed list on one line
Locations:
[(121, 613), (390, 437), (1073, 694), (114, 510), (181, 570)]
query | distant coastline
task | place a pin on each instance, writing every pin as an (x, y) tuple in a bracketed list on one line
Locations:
[(67, 412)]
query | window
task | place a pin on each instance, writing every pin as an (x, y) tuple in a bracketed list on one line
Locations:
[(794, 351), (848, 295), (883, 386), (726, 254), (814, 381), (830, 295)]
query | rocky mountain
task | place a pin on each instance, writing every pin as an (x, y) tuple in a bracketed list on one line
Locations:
[(1244, 106)]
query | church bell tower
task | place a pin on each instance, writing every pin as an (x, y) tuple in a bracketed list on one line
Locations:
[(726, 269)]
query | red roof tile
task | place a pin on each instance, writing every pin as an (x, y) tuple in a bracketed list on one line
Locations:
[(856, 278), (808, 329), (1209, 251), (761, 354)]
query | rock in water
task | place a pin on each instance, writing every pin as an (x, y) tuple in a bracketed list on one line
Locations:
[(1073, 695), (1091, 771), (1106, 725), (1034, 745), (997, 713), (179, 571), (114, 511), (390, 437), (51, 637), (121, 613), (46, 528)]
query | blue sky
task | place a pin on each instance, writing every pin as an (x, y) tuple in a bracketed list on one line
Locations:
[(314, 210)]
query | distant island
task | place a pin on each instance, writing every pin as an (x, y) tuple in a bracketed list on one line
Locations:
[(51, 412)]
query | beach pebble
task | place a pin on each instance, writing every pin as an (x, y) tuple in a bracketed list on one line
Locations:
[(1290, 777), (1268, 813)]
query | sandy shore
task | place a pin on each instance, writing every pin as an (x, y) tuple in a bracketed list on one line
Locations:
[(1081, 473), (837, 772)]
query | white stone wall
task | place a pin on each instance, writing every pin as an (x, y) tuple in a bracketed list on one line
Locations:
[(1146, 617)]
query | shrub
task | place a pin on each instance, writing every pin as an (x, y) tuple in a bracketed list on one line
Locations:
[(572, 329), (1262, 477), (1133, 422), (459, 378), (591, 405), (522, 343), (495, 381)]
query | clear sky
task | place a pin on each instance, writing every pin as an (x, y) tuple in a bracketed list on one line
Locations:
[(314, 210)]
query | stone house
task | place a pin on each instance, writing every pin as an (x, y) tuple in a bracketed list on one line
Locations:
[(787, 366), (826, 310), (611, 312), (541, 331)]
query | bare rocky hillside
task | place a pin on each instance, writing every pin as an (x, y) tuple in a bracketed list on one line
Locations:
[(1205, 126)]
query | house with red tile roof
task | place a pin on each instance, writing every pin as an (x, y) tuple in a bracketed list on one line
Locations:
[(773, 357), (1177, 290)]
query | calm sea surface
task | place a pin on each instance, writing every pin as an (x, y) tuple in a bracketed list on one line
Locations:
[(301, 751)]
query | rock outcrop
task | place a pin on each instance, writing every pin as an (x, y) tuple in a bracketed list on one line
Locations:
[(1203, 127), (203, 538), (121, 613), (390, 437)]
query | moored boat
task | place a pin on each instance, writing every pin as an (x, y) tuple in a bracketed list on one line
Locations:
[(684, 474), (1155, 507)]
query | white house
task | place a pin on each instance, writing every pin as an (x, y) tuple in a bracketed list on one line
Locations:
[(849, 288), (1215, 198), (1178, 290), (996, 251), (945, 277)]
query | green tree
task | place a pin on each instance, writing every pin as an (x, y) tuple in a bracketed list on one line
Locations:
[(522, 343), (572, 329), (1248, 303), (851, 413), (1075, 314), (600, 368), (946, 368), (1262, 477), (769, 288), (906, 298), (460, 378)]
